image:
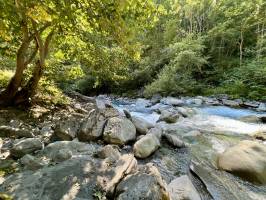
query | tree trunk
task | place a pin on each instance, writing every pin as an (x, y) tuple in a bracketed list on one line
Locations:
[(26, 94), (241, 48)]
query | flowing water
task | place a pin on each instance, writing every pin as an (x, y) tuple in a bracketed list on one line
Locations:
[(220, 129)]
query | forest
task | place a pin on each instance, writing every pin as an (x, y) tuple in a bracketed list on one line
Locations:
[(167, 47), (132, 99)]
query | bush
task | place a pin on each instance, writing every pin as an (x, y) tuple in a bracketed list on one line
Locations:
[(5, 76)]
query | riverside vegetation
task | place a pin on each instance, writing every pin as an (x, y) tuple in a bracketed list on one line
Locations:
[(183, 112)]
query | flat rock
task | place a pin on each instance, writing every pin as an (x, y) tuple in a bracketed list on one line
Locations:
[(246, 159), (77, 178)]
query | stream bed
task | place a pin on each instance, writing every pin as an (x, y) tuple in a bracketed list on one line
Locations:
[(220, 128)]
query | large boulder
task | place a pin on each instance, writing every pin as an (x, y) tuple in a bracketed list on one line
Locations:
[(146, 146), (262, 107), (142, 126), (25, 146), (67, 129), (169, 116), (93, 125), (157, 131), (119, 130), (182, 188), (63, 150), (230, 103), (172, 101), (246, 159), (80, 177), (146, 183), (174, 140)]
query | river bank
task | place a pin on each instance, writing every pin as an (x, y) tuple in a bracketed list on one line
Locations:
[(100, 147)]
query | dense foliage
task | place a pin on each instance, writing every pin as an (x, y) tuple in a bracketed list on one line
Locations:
[(171, 47)]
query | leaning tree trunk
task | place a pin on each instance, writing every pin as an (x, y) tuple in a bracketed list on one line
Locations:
[(26, 94)]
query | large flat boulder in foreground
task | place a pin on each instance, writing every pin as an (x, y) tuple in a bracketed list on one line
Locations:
[(77, 178), (247, 160)]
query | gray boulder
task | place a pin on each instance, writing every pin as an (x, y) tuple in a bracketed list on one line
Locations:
[(182, 188), (110, 152), (77, 178), (146, 183), (93, 125), (172, 101), (119, 130), (230, 103), (156, 99), (60, 150), (157, 131), (8, 131), (142, 126), (169, 116), (174, 140), (67, 129), (146, 146), (246, 159), (25, 146), (262, 107)]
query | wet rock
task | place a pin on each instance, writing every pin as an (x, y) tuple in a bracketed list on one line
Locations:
[(119, 130), (246, 159), (25, 146), (109, 151), (144, 147), (182, 188), (156, 98), (169, 116), (127, 114), (172, 101), (157, 131), (250, 119), (32, 163), (146, 184), (67, 129), (260, 135), (142, 126), (212, 101), (174, 140), (230, 103), (76, 178), (185, 112), (262, 107), (142, 103), (196, 101), (8, 131), (250, 104)]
